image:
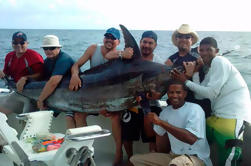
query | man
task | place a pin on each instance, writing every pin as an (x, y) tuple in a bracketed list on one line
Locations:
[(99, 54), (183, 38), (22, 65), (56, 66), (230, 102), (184, 123), (133, 121)]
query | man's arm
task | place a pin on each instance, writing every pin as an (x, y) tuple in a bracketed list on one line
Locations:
[(1, 74), (163, 143), (181, 134), (126, 54), (75, 81), (22, 81), (48, 89), (219, 74), (5, 70), (168, 62), (38, 72)]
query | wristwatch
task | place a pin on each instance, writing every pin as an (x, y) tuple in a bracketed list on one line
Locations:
[(120, 54)]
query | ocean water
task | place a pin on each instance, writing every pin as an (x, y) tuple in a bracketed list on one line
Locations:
[(75, 43)]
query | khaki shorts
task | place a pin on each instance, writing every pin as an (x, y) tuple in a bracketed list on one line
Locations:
[(13, 102), (164, 159)]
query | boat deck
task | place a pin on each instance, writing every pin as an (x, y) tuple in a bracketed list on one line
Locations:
[(104, 147)]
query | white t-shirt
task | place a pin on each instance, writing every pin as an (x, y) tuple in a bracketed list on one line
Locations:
[(192, 118), (226, 89)]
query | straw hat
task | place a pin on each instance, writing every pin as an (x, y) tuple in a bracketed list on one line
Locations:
[(185, 29), (51, 41)]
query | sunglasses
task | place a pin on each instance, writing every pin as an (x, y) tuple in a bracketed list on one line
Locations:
[(49, 48), (183, 36), (16, 43), (110, 37)]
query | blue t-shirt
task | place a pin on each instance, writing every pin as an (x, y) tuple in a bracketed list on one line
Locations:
[(61, 65), (178, 60)]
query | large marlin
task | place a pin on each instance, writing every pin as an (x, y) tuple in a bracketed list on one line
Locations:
[(112, 86)]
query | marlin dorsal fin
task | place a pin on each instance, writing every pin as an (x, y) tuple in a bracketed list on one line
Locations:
[(130, 42)]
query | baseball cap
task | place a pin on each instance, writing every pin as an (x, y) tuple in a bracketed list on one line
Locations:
[(114, 32), (20, 35), (150, 34)]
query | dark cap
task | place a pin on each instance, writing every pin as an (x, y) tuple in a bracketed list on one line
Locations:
[(114, 32), (150, 34), (19, 35)]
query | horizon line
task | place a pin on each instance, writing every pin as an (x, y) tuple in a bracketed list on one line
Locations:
[(129, 29)]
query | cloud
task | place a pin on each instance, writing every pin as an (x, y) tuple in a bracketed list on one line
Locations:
[(13, 3)]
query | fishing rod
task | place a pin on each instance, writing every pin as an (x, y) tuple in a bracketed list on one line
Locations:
[(237, 47)]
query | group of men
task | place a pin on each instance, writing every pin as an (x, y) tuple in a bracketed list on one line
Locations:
[(209, 76), (178, 134)]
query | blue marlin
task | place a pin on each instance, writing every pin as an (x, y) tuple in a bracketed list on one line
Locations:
[(112, 86)]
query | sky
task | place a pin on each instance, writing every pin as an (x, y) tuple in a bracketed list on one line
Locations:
[(210, 15)]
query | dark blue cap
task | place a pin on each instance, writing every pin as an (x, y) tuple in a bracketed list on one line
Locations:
[(150, 34), (19, 35), (114, 32)]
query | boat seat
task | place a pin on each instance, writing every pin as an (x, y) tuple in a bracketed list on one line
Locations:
[(77, 146)]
